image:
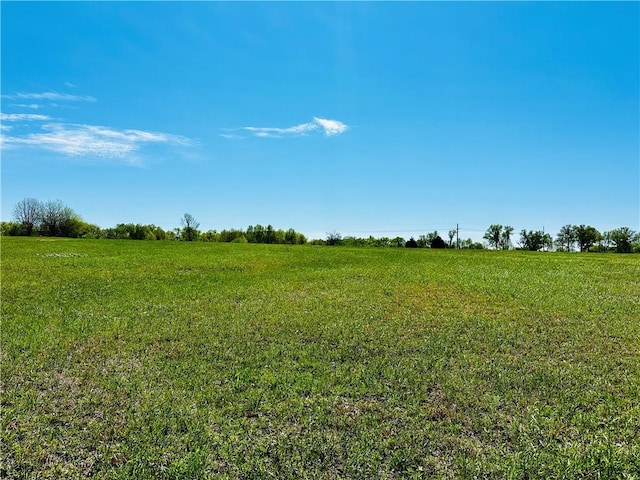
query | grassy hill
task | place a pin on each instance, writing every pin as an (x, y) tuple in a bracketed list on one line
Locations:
[(125, 359)]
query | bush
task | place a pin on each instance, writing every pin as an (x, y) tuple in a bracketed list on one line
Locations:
[(240, 239), (334, 238), (11, 229), (438, 242)]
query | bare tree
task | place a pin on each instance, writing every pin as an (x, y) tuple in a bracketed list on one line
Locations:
[(57, 219), (190, 227), (28, 212)]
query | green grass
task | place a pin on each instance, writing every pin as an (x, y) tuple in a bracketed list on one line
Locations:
[(125, 359)]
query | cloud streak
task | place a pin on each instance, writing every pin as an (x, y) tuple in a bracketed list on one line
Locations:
[(22, 117), (32, 106), (328, 127), (91, 140), (32, 131), (52, 96)]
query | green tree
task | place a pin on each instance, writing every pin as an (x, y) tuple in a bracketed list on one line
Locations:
[(230, 235), (466, 243), (11, 229), (334, 238), (493, 235), (290, 236), (72, 226), (398, 242), (259, 235), (586, 236), (505, 237), (635, 243), (209, 236), (430, 237), (88, 230), (622, 238), (383, 242), (351, 241), (535, 240), (122, 231), (566, 238), (159, 233), (270, 234), (452, 234), (438, 242)]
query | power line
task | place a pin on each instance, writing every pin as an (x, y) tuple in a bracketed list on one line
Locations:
[(419, 229)]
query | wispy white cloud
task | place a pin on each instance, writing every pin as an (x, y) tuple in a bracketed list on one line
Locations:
[(276, 132), (262, 134), (22, 117), (51, 96), (231, 135), (32, 106), (329, 127), (35, 131), (92, 140)]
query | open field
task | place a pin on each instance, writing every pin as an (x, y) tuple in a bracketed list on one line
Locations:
[(124, 359)]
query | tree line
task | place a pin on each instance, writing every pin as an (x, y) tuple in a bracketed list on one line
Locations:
[(584, 238), (429, 240), (55, 219)]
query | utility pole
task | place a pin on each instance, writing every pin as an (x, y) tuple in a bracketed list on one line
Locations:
[(457, 236)]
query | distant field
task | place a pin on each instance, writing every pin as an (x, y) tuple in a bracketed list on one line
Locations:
[(124, 359)]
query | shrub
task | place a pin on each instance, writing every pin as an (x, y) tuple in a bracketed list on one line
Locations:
[(411, 243), (240, 239)]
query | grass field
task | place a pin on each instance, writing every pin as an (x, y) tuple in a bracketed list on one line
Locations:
[(124, 359)]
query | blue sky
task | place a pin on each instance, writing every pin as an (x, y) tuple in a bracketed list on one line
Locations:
[(361, 118)]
